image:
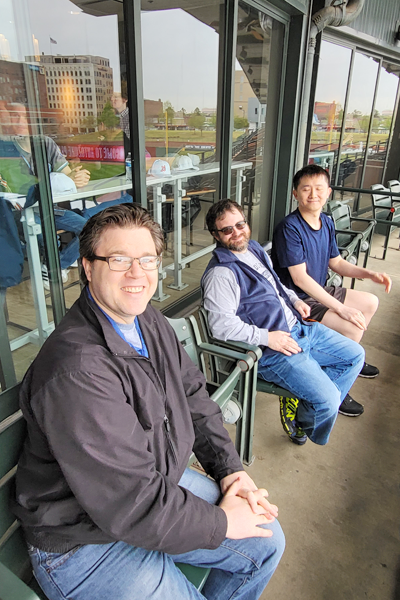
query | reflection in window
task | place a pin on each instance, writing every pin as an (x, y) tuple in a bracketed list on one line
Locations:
[(330, 95), (43, 101), (256, 64), (381, 125), (364, 130), (180, 77), (357, 120)]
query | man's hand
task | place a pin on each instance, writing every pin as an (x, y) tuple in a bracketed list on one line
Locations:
[(302, 308), (281, 341), (242, 521), (353, 315), (257, 498), (80, 177), (383, 279)]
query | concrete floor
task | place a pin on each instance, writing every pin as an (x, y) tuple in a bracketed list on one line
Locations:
[(339, 504)]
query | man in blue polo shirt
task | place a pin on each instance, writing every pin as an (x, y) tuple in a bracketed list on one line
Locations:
[(304, 245), (245, 301)]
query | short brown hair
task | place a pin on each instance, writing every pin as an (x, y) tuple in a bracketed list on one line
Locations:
[(122, 216), (218, 210)]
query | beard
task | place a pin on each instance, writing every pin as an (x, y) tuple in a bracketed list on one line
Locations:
[(239, 245)]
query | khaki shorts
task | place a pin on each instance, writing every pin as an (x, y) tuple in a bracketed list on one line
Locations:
[(317, 309)]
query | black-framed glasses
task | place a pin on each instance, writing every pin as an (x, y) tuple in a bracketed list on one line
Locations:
[(228, 230), (124, 263)]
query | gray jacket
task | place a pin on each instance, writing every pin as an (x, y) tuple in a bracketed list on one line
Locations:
[(109, 436)]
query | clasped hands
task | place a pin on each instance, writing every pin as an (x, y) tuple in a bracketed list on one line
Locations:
[(80, 176), (246, 507)]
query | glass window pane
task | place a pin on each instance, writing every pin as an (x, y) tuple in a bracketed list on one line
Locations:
[(180, 48), (381, 126), (358, 117), (330, 95), (257, 84), (60, 72)]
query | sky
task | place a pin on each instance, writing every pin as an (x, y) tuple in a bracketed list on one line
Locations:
[(333, 75), (74, 31), (180, 54), (180, 60)]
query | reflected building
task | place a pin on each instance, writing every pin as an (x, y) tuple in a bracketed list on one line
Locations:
[(13, 90), (80, 86), (239, 58)]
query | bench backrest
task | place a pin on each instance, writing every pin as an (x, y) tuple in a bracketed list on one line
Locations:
[(13, 552), (380, 200), (394, 186)]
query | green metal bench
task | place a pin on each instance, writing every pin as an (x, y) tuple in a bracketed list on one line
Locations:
[(219, 369), (237, 383), (16, 580)]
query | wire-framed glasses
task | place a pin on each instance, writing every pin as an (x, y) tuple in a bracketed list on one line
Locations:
[(124, 263)]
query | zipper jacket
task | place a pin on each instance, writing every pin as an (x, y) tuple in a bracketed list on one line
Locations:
[(109, 435)]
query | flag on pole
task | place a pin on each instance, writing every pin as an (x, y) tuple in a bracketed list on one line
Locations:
[(52, 41)]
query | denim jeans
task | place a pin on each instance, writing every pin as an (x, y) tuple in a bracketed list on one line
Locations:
[(74, 222), (123, 199), (320, 376), (240, 568), (69, 221)]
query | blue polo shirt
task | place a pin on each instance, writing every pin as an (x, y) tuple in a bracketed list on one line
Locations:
[(296, 242)]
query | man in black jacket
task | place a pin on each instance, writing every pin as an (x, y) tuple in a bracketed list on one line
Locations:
[(114, 407)]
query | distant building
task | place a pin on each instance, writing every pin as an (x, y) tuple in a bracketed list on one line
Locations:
[(209, 112), (152, 111), (326, 112), (80, 85), (256, 113), (243, 91), (13, 90)]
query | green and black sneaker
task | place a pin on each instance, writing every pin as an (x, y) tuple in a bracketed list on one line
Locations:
[(288, 410)]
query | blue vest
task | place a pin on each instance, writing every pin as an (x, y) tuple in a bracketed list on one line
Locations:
[(259, 303)]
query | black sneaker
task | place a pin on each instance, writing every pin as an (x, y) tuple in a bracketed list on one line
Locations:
[(351, 408), (288, 410), (369, 371)]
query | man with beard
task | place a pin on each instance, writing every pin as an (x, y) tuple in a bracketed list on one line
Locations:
[(246, 302)]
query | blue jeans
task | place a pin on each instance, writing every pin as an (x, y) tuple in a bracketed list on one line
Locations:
[(320, 376), (69, 221), (240, 568), (124, 199), (74, 222)]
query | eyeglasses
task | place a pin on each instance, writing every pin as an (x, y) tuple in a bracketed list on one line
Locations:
[(228, 230), (124, 263)]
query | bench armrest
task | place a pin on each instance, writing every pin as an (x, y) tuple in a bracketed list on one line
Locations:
[(254, 351)]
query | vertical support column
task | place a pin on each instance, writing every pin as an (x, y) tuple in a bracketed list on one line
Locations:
[(239, 185), (227, 58), (178, 194), (133, 41), (31, 231), (158, 199)]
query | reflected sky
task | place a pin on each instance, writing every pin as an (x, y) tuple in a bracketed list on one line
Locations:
[(332, 78), (180, 53)]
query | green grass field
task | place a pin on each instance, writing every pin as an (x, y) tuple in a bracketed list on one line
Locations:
[(324, 137), (110, 135)]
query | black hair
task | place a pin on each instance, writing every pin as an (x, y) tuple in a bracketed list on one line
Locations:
[(310, 171)]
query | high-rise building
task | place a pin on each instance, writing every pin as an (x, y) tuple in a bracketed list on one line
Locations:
[(13, 91), (80, 85)]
